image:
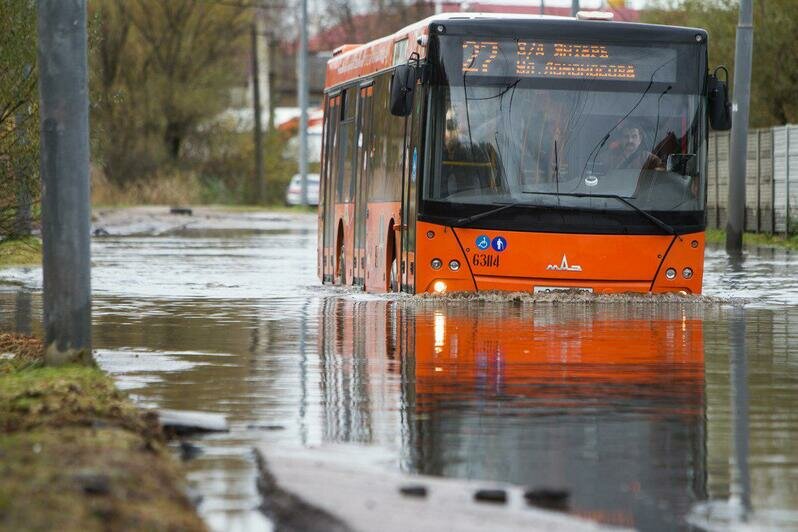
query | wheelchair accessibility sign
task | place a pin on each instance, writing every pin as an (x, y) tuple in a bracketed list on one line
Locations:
[(483, 242)]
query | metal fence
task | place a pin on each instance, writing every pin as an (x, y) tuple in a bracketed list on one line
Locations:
[(771, 183)]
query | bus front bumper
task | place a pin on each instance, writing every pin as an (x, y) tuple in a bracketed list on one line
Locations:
[(518, 261)]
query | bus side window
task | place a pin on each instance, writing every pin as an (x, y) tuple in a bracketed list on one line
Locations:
[(346, 140), (380, 111), (388, 132)]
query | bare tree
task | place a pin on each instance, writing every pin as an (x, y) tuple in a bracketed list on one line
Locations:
[(18, 116)]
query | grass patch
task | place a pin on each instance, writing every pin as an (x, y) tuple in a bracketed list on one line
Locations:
[(77, 455), (78, 479), (718, 236), (21, 252), (173, 189)]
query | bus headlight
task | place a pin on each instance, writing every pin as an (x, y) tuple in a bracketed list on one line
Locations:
[(454, 265), (670, 274), (439, 287), (436, 264), (687, 273)]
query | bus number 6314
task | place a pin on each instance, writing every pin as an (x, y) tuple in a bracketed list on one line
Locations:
[(486, 260)]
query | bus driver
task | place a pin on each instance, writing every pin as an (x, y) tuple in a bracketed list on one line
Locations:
[(629, 153)]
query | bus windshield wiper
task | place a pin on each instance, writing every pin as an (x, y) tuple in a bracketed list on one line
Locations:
[(462, 222), (653, 219)]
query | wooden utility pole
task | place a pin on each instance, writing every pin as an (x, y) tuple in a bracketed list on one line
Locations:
[(64, 112)]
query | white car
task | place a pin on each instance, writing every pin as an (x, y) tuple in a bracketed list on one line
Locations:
[(293, 196)]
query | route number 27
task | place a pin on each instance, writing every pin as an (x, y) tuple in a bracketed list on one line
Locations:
[(478, 55)]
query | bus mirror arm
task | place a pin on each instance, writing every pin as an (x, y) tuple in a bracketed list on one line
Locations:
[(720, 111)]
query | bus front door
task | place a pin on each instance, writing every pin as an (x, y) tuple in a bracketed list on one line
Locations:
[(362, 175), (413, 162)]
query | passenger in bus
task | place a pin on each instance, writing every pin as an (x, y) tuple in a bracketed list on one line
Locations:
[(468, 168), (469, 157)]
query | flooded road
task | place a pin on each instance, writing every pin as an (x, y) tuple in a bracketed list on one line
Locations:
[(656, 414)]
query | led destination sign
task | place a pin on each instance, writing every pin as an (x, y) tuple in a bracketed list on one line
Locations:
[(539, 59)]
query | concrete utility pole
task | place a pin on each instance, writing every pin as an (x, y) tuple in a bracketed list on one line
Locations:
[(735, 223), (302, 87), (258, 187), (64, 111), (574, 7), (542, 7)]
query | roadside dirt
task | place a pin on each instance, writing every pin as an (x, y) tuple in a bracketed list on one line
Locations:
[(77, 455)]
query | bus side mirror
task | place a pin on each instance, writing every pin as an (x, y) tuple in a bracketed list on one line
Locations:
[(402, 86), (720, 117)]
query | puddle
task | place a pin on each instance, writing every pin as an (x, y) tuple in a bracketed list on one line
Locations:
[(629, 404)]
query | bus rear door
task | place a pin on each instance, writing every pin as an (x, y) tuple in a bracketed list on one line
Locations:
[(327, 192), (362, 175)]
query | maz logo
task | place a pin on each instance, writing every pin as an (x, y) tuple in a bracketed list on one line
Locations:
[(563, 266)]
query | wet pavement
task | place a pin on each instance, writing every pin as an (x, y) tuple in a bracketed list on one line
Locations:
[(654, 413)]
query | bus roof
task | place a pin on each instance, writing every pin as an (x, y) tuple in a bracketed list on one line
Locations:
[(353, 61)]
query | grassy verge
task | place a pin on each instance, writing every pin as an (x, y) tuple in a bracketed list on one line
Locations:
[(718, 236), (22, 252), (76, 455)]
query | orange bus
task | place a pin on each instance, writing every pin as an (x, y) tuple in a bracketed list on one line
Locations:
[(475, 152)]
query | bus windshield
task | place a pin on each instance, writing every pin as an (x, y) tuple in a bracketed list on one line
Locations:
[(538, 124)]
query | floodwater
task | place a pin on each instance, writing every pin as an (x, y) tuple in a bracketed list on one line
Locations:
[(656, 414)]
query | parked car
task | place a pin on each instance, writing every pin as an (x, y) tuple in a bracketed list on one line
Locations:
[(293, 195)]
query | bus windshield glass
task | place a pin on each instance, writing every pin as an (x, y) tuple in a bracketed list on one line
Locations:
[(560, 124)]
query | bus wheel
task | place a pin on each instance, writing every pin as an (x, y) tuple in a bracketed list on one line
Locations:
[(394, 275)]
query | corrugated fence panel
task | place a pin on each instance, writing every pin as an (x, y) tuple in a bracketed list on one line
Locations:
[(751, 182), (783, 168), (779, 176), (712, 181), (791, 215), (766, 185), (765, 168), (724, 147)]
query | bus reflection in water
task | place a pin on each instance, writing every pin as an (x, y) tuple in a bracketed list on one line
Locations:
[(512, 152), (611, 411)]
